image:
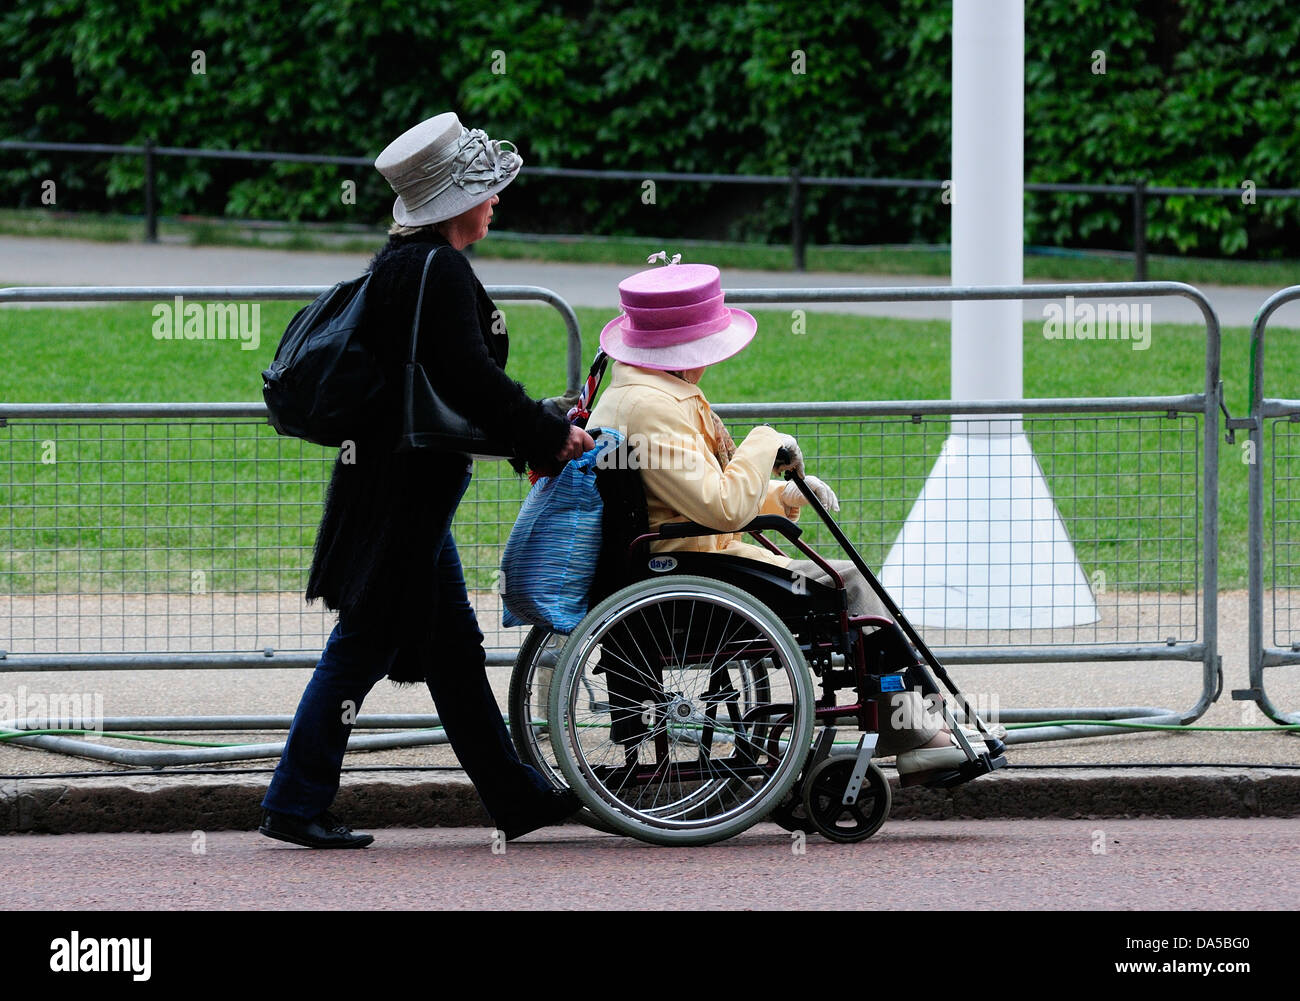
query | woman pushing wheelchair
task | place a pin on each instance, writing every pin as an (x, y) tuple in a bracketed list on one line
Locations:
[(673, 326)]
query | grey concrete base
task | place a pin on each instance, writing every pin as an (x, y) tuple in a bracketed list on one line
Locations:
[(215, 802)]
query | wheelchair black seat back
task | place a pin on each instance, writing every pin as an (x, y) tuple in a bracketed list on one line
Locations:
[(682, 708)]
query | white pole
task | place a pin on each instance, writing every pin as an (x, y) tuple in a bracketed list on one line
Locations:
[(988, 169), (984, 546)]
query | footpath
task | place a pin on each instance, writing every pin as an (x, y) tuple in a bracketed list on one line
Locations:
[(48, 261)]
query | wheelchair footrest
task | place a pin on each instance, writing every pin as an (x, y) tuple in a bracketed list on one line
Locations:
[(971, 770)]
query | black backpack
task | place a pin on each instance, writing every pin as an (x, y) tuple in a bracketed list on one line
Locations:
[(325, 385)]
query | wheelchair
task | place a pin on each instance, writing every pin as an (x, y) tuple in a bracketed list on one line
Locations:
[(701, 692)]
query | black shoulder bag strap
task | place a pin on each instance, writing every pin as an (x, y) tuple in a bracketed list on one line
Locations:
[(419, 303), (427, 422)]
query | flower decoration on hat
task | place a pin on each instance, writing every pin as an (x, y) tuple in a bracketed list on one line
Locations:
[(662, 258), (480, 162)]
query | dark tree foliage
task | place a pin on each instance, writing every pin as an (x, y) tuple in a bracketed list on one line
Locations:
[(1198, 93)]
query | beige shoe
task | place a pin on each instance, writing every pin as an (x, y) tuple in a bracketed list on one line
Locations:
[(886, 740), (996, 730)]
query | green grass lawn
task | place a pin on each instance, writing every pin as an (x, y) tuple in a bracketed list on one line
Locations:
[(241, 504)]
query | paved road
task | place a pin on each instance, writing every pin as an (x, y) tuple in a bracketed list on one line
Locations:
[(976, 865), (48, 261)]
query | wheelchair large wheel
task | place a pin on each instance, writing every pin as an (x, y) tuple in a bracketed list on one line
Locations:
[(681, 710), (529, 701), (528, 706)]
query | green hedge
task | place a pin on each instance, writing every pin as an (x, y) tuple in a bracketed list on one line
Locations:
[(1193, 93)]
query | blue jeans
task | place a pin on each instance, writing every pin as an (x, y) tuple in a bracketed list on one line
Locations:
[(356, 656)]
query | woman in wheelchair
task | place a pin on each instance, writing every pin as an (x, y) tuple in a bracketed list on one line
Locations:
[(673, 326)]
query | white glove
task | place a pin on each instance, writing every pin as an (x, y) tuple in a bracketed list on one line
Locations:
[(560, 405), (791, 496), (796, 455)]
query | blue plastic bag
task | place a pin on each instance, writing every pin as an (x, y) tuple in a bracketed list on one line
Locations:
[(550, 557)]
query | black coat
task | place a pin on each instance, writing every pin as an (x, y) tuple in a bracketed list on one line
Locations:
[(378, 534)]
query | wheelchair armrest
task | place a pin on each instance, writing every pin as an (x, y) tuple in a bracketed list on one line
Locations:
[(691, 529)]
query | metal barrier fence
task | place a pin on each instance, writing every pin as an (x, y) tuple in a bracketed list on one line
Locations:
[(112, 562), (1284, 511)]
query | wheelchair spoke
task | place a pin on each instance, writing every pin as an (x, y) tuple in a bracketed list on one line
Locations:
[(643, 672), (613, 648)]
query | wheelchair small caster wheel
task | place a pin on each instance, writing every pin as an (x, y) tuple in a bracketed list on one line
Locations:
[(789, 814), (823, 800)]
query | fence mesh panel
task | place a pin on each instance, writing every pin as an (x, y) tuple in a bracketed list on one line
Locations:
[(1127, 488), (157, 536), (183, 536), (1284, 440)]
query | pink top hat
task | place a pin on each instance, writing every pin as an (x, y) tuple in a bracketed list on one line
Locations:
[(674, 319)]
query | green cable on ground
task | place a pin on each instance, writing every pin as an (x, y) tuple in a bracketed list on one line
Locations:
[(1130, 724), (1151, 726)]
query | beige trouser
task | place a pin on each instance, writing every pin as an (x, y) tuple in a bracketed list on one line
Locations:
[(905, 721)]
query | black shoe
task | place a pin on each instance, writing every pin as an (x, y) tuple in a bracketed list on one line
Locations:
[(325, 831), (559, 804)]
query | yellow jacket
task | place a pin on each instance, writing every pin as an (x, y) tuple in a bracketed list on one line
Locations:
[(668, 427)]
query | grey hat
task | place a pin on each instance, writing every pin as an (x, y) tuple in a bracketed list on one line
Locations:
[(439, 169)]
